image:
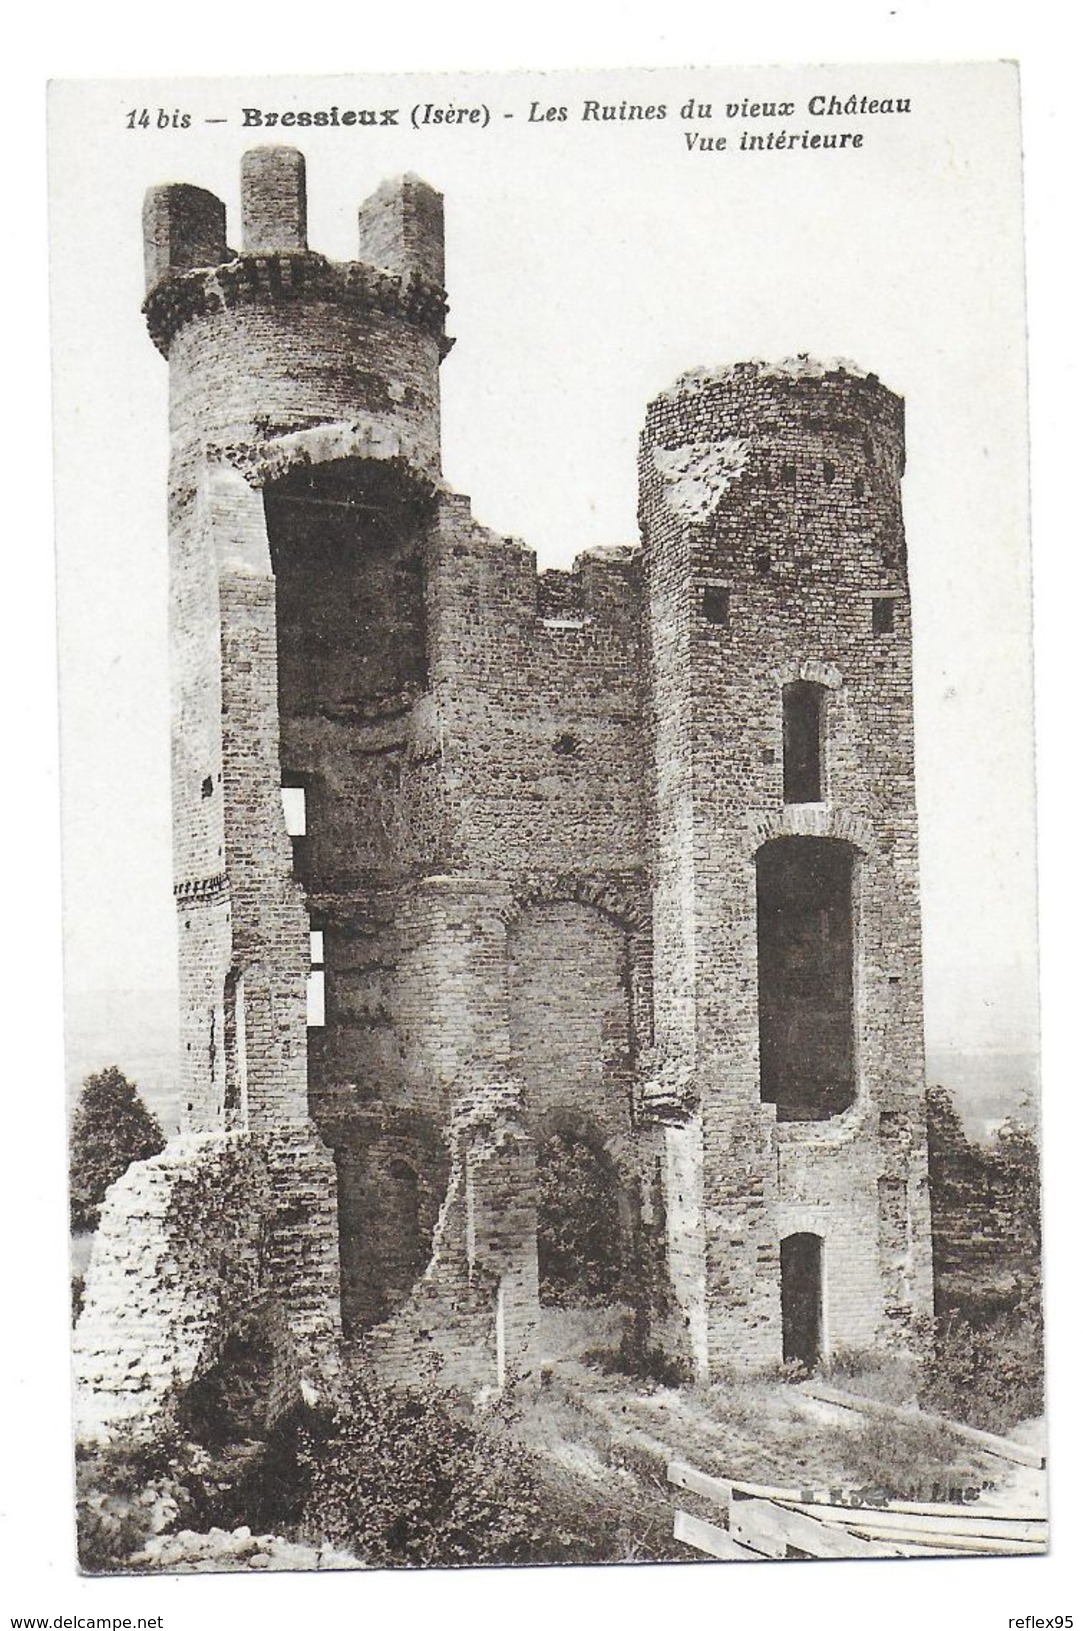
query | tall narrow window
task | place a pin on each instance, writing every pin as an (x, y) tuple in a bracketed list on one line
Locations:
[(802, 743), (805, 947), (295, 812)]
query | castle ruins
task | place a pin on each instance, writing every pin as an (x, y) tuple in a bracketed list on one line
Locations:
[(475, 862)]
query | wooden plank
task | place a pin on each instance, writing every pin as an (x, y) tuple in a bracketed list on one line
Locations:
[(990, 1442), (972, 1545), (775, 1529), (700, 1483), (709, 1538), (858, 1500), (964, 1519), (887, 1519)]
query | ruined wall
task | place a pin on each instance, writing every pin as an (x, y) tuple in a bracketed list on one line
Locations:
[(194, 1246)]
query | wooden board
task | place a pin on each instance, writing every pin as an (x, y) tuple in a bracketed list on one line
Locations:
[(709, 1538), (718, 1490), (946, 1541), (887, 1519), (990, 1442), (774, 1530)]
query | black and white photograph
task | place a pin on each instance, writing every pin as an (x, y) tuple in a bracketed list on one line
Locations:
[(547, 800)]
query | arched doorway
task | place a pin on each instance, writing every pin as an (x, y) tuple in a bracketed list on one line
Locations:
[(802, 1298)]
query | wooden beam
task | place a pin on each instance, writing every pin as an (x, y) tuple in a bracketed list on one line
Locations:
[(990, 1442), (709, 1538), (687, 1477), (776, 1530), (945, 1541), (887, 1520)]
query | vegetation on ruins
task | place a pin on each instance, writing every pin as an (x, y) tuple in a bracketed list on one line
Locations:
[(111, 1128), (579, 1254), (985, 1363)]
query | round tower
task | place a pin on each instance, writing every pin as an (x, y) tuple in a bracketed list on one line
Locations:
[(787, 934), (304, 454)]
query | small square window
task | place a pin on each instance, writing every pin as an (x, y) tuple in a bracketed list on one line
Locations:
[(716, 605), (883, 614)]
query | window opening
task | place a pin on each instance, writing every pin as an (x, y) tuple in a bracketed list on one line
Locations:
[(716, 605), (802, 743), (805, 956)]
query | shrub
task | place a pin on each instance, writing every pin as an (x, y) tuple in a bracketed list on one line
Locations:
[(876, 1373), (984, 1364), (122, 1496), (125, 1493), (989, 1374), (112, 1127), (398, 1477)]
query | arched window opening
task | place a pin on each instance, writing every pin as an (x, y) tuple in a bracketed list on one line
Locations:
[(802, 1298), (579, 1223), (805, 943), (802, 742)]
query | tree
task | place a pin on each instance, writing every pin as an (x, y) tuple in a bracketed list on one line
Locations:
[(112, 1127)]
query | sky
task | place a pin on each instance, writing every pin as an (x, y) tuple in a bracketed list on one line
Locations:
[(588, 264)]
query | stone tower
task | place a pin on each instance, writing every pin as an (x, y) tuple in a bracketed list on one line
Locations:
[(786, 931), (499, 888)]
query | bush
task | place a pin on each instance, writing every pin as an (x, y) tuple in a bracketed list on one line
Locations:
[(398, 1477), (875, 1373), (988, 1374), (112, 1127), (121, 1497), (984, 1364), (906, 1460), (125, 1494)]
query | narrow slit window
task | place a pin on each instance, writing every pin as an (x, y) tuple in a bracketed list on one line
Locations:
[(314, 998), (883, 614), (802, 743)]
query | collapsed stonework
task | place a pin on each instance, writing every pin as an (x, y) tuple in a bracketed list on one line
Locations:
[(468, 855)]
